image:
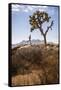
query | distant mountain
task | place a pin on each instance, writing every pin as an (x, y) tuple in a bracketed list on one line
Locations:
[(34, 42)]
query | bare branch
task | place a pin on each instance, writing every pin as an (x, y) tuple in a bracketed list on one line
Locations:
[(49, 27)]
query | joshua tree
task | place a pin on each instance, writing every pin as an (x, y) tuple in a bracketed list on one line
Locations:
[(36, 21)]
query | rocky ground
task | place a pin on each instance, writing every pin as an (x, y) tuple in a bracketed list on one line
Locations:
[(35, 65)]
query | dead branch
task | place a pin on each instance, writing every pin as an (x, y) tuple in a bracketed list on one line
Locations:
[(49, 27)]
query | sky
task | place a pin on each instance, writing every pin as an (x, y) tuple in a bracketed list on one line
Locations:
[(21, 27)]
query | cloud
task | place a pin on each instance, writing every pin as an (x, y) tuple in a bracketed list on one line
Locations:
[(41, 9), (33, 6), (39, 6), (16, 8), (27, 8), (45, 7)]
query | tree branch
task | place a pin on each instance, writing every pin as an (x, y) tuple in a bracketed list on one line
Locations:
[(41, 30), (49, 27)]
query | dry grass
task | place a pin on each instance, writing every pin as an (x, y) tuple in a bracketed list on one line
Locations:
[(36, 77), (35, 65)]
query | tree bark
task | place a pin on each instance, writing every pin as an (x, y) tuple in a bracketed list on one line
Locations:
[(44, 35), (30, 42), (45, 41)]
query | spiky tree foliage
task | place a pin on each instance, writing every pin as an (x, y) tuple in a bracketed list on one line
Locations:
[(36, 21)]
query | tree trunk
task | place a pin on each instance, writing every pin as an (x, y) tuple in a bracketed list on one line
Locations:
[(30, 42), (44, 35), (45, 42)]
